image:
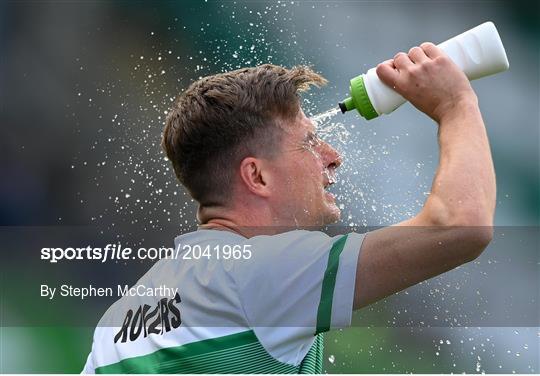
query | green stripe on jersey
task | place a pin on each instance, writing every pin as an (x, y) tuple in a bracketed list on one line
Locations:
[(324, 313), (235, 353)]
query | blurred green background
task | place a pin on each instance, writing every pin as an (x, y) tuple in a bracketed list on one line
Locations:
[(85, 86)]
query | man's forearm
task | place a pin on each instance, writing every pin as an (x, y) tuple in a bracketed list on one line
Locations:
[(464, 189)]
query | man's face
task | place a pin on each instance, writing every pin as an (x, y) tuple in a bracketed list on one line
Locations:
[(304, 169)]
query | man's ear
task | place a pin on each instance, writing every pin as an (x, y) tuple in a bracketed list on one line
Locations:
[(256, 176)]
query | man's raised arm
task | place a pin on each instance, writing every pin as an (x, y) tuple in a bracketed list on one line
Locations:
[(455, 224)]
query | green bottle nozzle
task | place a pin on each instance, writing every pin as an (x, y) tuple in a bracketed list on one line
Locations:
[(346, 105), (359, 100)]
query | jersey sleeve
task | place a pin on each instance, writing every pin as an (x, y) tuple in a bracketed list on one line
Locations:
[(89, 365), (295, 286)]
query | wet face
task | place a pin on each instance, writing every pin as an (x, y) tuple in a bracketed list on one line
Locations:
[(304, 170)]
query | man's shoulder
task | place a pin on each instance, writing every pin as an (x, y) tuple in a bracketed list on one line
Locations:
[(290, 242), (206, 235)]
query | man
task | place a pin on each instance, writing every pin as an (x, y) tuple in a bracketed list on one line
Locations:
[(241, 145)]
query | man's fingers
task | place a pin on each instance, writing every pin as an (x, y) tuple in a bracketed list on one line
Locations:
[(431, 50), (387, 72), (402, 60), (417, 55)]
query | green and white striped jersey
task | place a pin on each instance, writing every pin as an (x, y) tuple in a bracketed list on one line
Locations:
[(233, 314)]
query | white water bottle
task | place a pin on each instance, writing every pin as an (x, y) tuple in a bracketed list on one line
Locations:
[(479, 52)]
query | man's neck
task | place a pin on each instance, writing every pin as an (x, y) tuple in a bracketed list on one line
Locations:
[(245, 223), (245, 231), (221, 224)]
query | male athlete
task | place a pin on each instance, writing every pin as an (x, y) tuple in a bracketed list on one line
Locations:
[(254, 292)]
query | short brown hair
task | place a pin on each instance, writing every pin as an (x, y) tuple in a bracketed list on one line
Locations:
[(222, 119)]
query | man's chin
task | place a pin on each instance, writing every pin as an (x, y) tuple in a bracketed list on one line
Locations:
[(333, 215)]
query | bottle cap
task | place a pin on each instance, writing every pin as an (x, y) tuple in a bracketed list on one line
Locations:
[(361, 98)]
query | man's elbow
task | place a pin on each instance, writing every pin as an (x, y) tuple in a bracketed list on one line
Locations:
[(470, 229), (476, 239), (475, 232)]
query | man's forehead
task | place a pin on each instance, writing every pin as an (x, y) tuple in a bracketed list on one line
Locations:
[(303, 124)]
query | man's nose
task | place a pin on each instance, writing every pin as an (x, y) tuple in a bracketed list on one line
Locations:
[(332, 157)]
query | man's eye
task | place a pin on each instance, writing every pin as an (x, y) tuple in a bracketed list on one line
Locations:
[(313, 139)]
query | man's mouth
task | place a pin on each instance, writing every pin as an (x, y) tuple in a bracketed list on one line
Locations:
[(329, 194), (329, 178)]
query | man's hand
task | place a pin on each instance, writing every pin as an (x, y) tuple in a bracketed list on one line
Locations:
[(428, 79)]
